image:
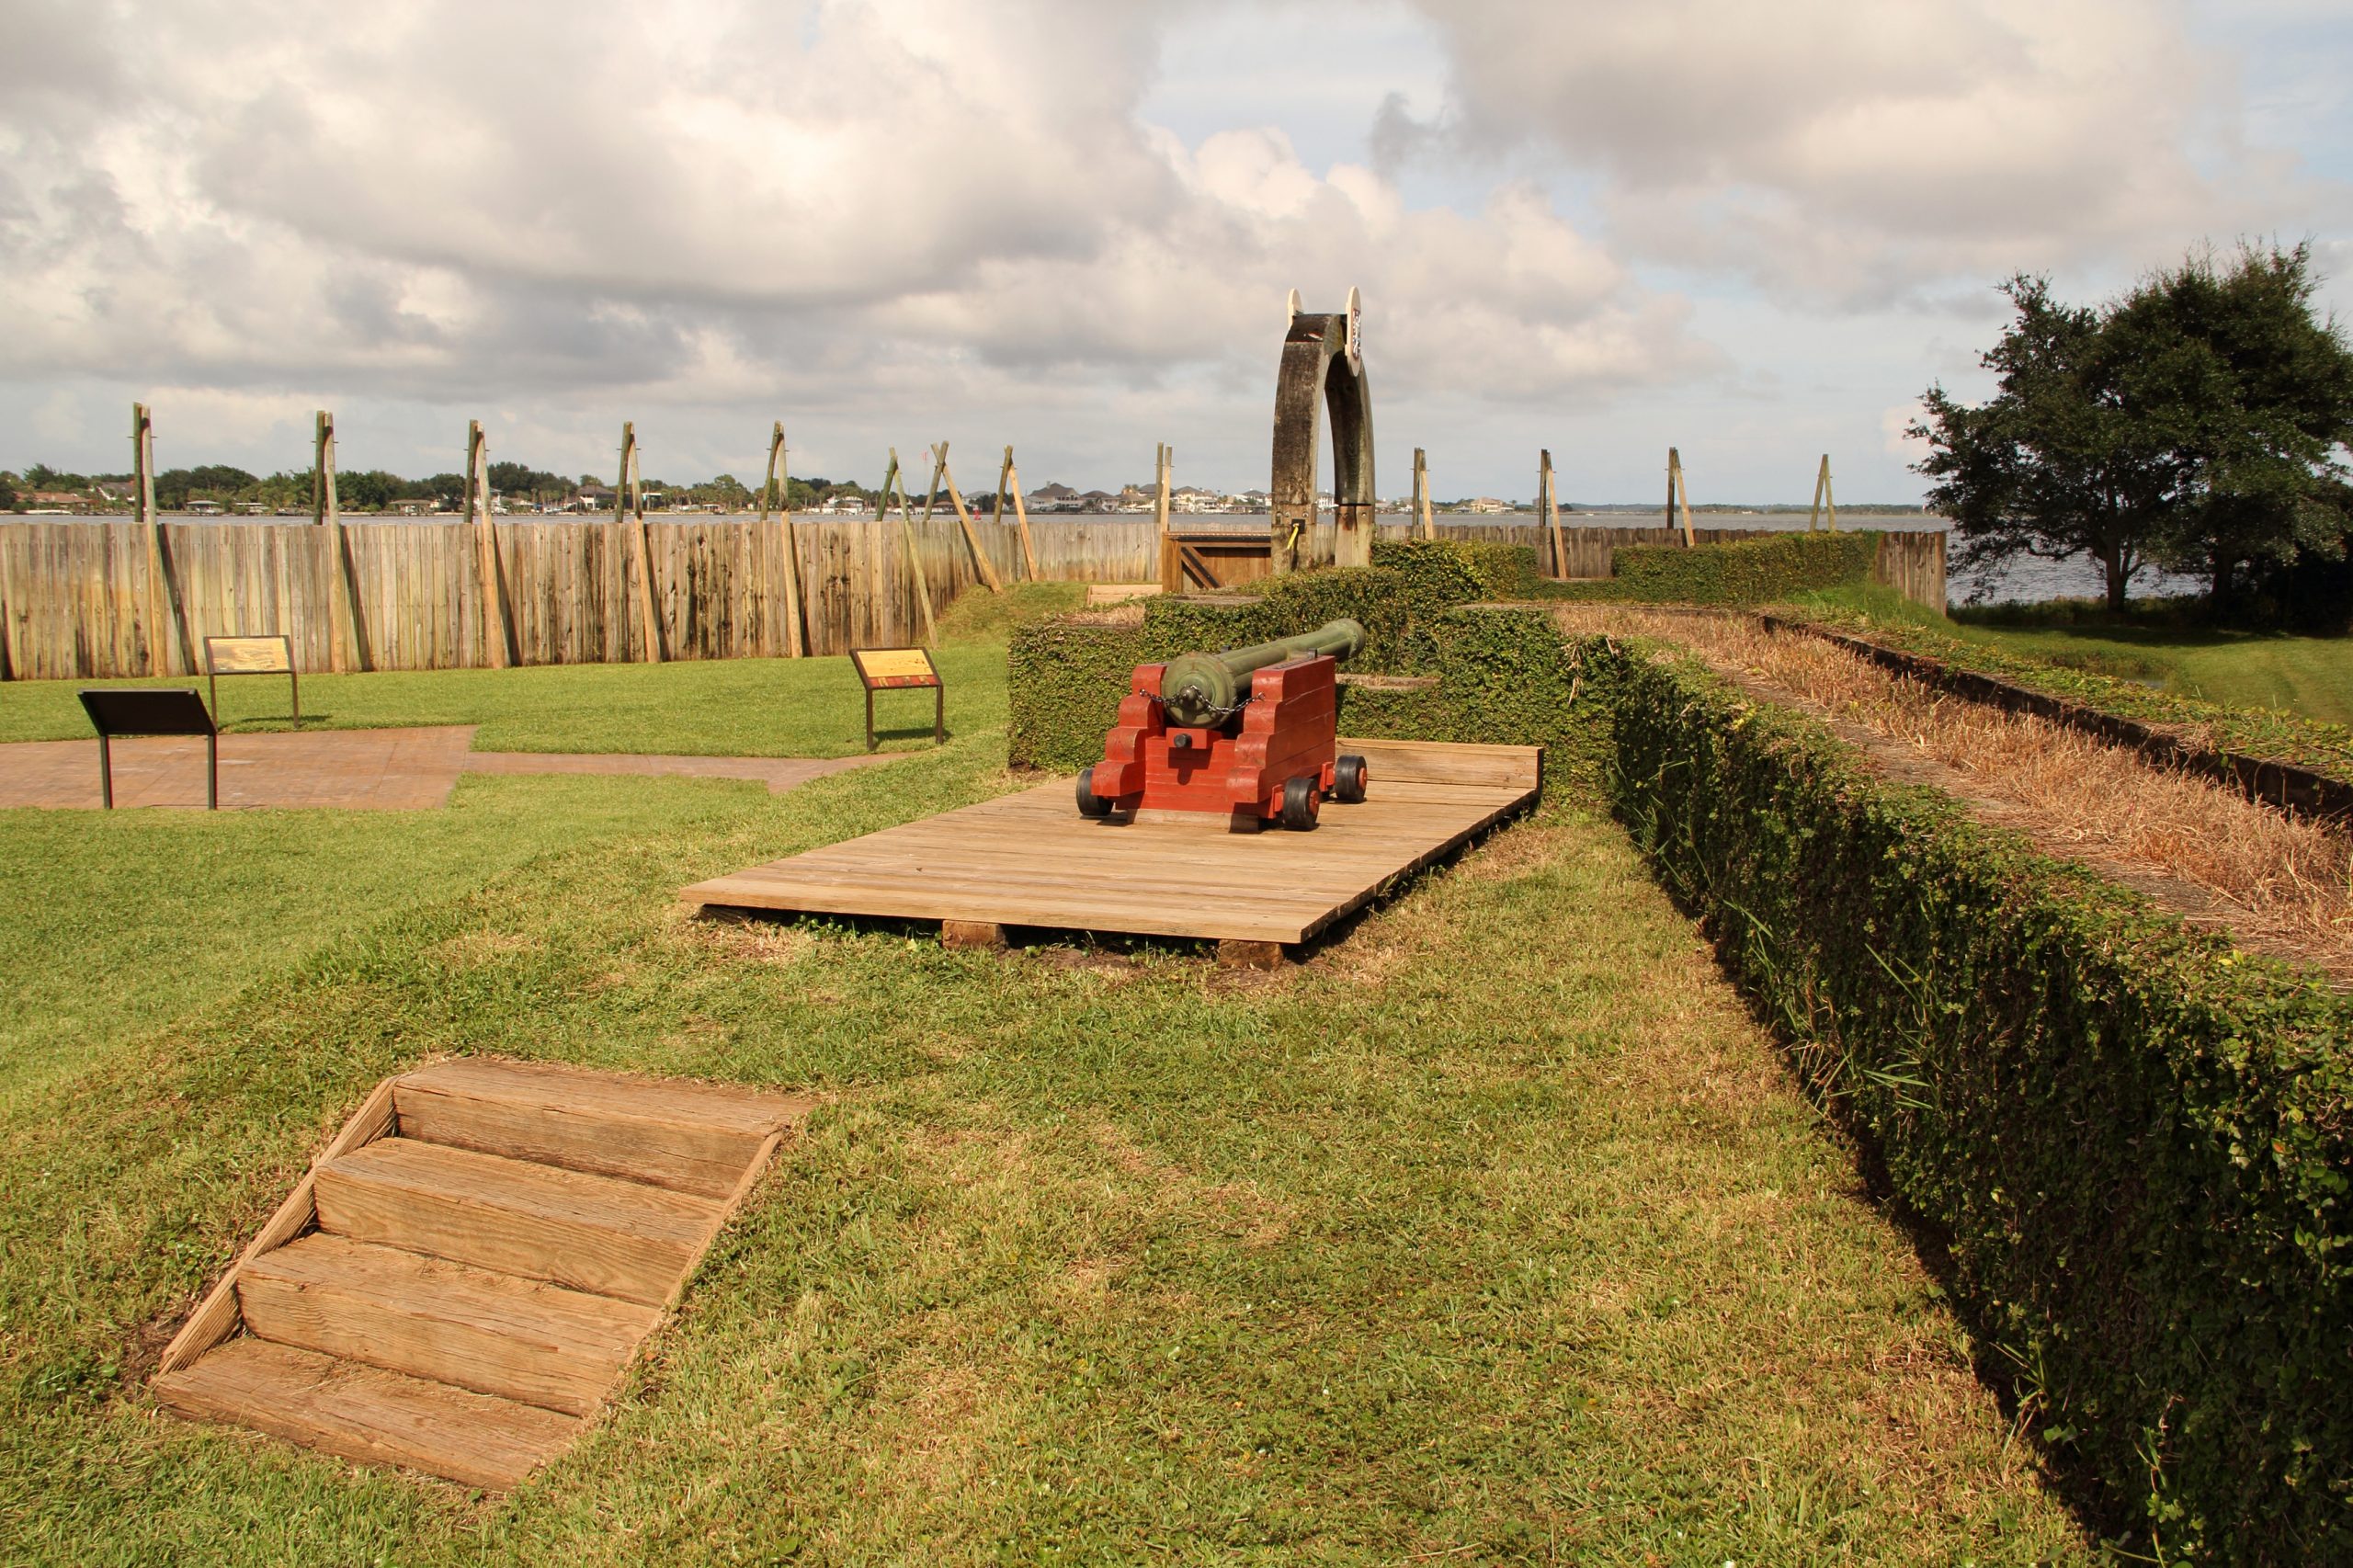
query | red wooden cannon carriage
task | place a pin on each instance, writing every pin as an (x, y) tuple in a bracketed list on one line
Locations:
[(1191, 737)]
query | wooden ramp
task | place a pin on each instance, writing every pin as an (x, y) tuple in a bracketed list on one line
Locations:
[(464, 1275), (1031, 859)]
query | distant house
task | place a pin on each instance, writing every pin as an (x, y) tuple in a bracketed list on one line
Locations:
[(56, 501), (1486, 504)]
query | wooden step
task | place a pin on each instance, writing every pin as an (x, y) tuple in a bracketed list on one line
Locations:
[(367, 1414), (520, 1339), (692, 1137), (596, 1233)]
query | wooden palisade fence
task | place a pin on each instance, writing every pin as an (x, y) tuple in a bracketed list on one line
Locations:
[(82, 600)]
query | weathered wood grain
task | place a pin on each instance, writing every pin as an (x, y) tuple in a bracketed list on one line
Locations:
[(365, 1413), (495, 1334), (616, 1238)]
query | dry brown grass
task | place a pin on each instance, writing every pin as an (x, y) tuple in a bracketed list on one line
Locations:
[(2280, 884)]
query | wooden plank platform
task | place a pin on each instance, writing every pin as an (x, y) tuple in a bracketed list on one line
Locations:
[(1031, 859), (468, 1268)]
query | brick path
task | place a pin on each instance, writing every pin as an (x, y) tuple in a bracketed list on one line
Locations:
[(359, 770)]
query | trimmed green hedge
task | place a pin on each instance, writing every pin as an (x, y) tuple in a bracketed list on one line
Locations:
[(2133, 1138), (1741, 572), (1502, 672)]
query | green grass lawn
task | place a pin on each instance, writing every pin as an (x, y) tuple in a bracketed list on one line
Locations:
[(705, 708), (2309, 676), (1497, 1233)]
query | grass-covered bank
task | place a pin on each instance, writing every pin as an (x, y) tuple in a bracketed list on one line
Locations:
[(2131, 1137), (2163, 646), (1496, 1234)]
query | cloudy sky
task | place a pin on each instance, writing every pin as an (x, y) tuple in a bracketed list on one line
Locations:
[(1754, 231)]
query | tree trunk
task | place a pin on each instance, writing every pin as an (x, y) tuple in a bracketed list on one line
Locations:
[(2113, 560)]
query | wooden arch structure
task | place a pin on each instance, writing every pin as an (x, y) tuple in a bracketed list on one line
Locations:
[(1322, 368)]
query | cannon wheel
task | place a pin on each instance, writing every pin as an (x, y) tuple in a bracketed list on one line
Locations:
[(1348, 780), (1090, 804), (1300, 804)]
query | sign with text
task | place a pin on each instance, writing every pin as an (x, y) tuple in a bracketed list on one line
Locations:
[(251, 655), (897, 669)]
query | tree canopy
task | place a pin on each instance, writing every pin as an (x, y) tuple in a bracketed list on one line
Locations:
[(2199, 422)]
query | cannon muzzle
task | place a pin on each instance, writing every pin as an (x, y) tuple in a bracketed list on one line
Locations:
[(1203, 689)]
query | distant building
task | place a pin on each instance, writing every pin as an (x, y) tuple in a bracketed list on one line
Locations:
[(1486, 504)]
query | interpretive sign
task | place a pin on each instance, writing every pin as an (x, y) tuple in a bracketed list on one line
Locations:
[(152, 710), (261, 655), (896, 669)]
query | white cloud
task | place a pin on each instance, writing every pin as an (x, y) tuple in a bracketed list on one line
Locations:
[(724, 200), (1844, 153)]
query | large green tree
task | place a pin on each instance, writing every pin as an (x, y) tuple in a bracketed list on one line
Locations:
[(2055, 465), (2199, 421), (2255, 391)]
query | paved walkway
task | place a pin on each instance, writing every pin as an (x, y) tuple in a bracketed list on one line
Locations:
[(353, 769)]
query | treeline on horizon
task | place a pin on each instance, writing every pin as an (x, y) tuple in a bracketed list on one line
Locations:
[(378, 490)]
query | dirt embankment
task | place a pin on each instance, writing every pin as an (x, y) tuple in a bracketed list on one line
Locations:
[(2276, 883)]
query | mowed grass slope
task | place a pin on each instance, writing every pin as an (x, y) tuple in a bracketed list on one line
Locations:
[(2309, 676), (1498, 1233)]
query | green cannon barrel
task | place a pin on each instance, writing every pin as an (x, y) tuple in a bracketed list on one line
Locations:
[(1202, 689)]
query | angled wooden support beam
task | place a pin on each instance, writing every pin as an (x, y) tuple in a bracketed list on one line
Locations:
[(893, 482), (1009, 483), (965, 517)]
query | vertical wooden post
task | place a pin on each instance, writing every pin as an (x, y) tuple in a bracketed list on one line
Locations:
[(343, 609), (971, 534), (143, 498), (1424, 525), (780, 473), (1007, 485), (1678, 493), (641, 546), (914, 551), (496, 636), (1822, 495), (767, 487), (1549, 512), (1164, 459)]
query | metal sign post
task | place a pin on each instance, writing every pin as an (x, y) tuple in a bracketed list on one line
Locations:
[(152, 710)]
